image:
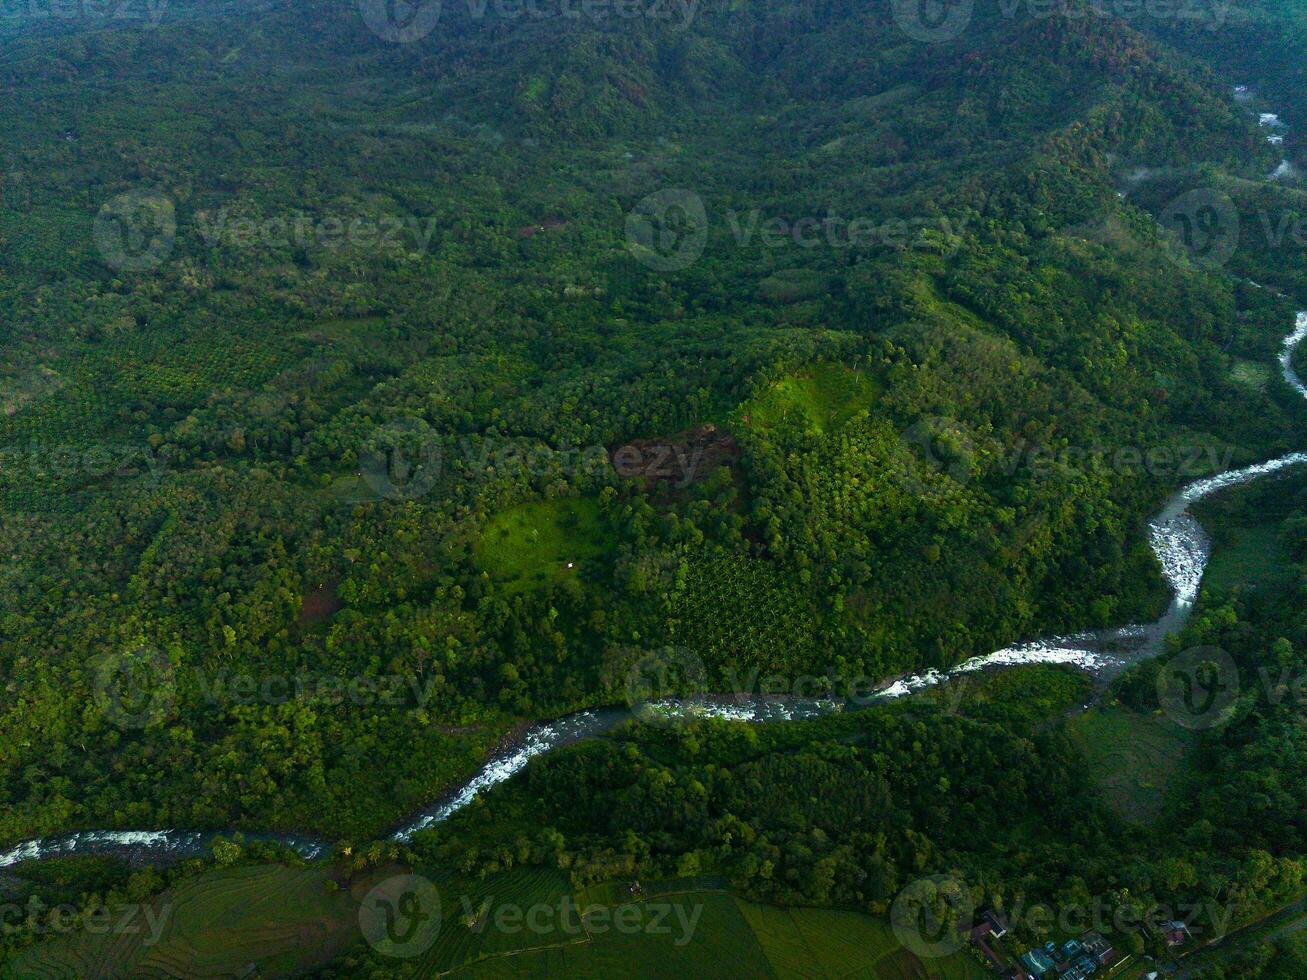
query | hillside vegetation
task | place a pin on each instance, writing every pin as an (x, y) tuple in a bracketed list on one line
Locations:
[(324, 361)]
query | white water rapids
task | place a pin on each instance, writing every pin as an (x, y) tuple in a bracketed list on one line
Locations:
[(1179, 542), (1181, 546)]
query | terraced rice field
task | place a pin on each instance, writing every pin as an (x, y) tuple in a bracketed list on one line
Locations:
[(272, 918), (282, 921), (690, 927), (720, 939), (1135, 760), (826, 944), (473, 914)]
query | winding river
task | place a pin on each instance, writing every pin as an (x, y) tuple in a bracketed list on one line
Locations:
[(1177, 539)]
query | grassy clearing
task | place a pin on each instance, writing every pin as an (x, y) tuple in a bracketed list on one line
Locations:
[(534, 544), (818, 399), (1250, 556), (278, 919), (357, 330), (1251, 374), (793, 285), (1136, 760), (1248, 547)]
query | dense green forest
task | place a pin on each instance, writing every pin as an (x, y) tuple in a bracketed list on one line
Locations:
[(362, 401), (986, 785)]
